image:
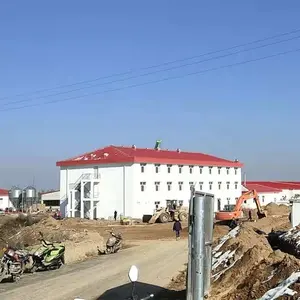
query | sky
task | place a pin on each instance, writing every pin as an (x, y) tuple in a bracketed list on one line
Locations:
[(247, 111)]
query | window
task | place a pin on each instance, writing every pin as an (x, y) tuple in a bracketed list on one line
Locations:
[(143, 186), (219, 204), (191, 183), (157, 183), (157, 167), (236, 199), (235, 171), (201, 170), (219, 170), (180, 202), (228, 200), (169, 168), (210, 170), (219, 185), (96, 172), (191, 169), (180, 184), (228, 185), (227, 171), (263, 198), (169, 185), (142, 168), (210, 185), (200, 185), (180, 169), (236, 185), (157, 204)]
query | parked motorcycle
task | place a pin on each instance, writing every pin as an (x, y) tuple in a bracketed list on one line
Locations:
[(48, 256), (113, 244), (12, 263), (133, 275)]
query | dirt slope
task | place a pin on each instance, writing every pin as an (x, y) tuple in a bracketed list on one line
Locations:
[(157, 261)]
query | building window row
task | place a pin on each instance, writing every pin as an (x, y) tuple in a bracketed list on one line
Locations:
[(180, 185), (191, 169)]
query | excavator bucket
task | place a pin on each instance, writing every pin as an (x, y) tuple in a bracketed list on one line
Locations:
[(154, 217), (261, 214)]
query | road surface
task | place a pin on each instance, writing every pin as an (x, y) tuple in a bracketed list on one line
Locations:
[(158, 262)]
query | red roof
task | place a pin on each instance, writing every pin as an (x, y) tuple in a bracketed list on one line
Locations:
[(261, 188), (3, 192), (117, 154), (282, 185)]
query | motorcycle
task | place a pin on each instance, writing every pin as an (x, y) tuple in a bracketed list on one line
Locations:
[(133, 275), (12, 263), (113, 244), (48, 256)]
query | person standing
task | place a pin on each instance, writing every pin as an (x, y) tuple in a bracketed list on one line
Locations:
[(177, 228), (115, 215)]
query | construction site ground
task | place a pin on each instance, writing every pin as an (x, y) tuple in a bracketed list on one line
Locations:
[(155, 251)]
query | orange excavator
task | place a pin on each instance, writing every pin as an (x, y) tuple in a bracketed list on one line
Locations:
[(237, 213)]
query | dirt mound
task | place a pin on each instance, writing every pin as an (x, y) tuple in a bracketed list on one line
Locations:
[(232, 256), (274, 209), (261, 278)]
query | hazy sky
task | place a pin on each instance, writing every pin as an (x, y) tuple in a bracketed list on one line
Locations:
[(249, 112)]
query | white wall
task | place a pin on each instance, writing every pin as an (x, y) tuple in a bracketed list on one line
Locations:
[(145, 200), (51, 196), (5, 202), (115, 187), (120, 187)]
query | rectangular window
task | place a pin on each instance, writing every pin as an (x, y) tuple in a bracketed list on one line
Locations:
[(157, 167), (210, 170), (169, 185), (210, 185), (228, 201), (157, 183), (200, 186), (219, 170), (235, 171), (201, 170), (236, 185), (227, 171), (180, 184), (263, 198), (191, 183), (143, 186), (191, 169), (219, 185), (180, 169), (228, 185), (96, 172), (142, 168), (169, 168), (157, 203)]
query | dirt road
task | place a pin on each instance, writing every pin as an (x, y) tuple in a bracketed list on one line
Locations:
[(102, 278)]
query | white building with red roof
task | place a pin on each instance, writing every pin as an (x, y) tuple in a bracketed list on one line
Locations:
[(279, 192), (134, 180), (4, 199)]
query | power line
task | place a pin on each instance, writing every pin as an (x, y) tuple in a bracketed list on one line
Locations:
[(151, 73), (153, 66), (156, 81)]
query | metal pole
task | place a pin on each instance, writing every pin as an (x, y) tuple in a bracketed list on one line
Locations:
[(189, 268), (208, 231), (198, 249)]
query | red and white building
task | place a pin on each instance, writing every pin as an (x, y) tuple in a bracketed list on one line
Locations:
[(4, 199), (279, 192), (134, 180)]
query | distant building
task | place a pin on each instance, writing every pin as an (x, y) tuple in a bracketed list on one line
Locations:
[(4, 200), (51, 199), (133, 181), (278, 192)]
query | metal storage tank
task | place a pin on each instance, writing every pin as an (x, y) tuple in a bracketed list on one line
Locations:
[(30, 193), (15, 193)]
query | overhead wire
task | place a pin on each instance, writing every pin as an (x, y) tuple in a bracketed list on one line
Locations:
[(152, 72), (155, 81), (150, 67)]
